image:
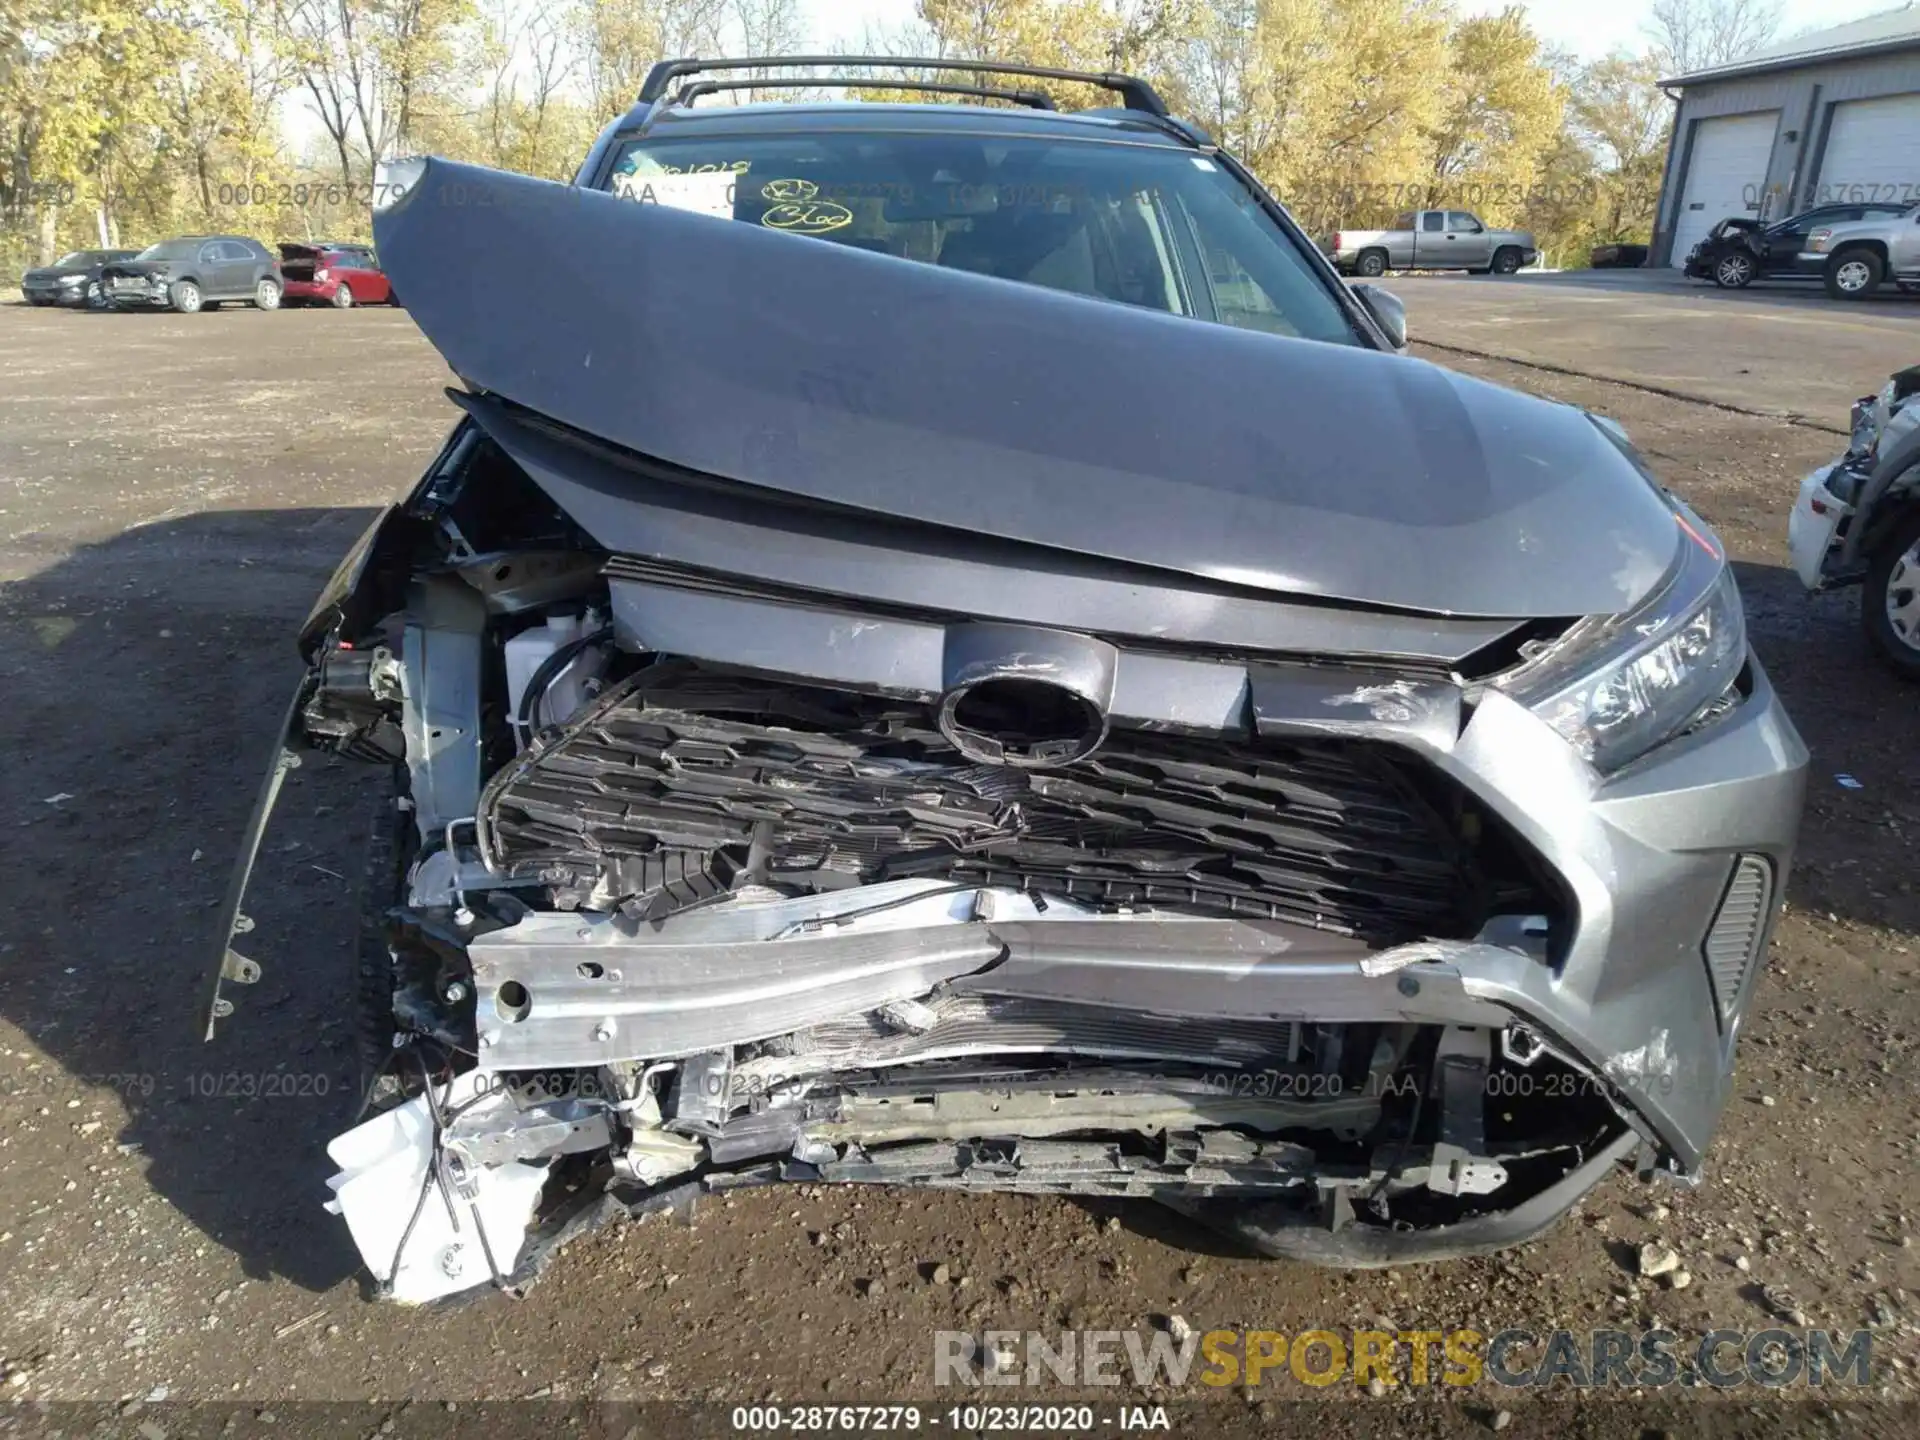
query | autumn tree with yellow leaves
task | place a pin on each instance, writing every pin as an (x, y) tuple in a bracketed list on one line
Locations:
[(124, 120)]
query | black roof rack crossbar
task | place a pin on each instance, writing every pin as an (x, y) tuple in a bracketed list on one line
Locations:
[(1134, 92), (1032, 99)]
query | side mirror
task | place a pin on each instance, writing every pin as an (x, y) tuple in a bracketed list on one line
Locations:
[(1387, 310)]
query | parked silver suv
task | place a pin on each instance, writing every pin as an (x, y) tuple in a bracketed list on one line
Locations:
[(1856, 258), (949, 674)]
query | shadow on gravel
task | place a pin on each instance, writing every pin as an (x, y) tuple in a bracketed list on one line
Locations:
[(1858, 722), (144, 676)]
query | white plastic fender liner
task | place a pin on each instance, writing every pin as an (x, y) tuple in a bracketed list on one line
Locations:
[(383, 1185)]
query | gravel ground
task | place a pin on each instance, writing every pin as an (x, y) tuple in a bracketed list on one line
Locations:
[(173, 490)]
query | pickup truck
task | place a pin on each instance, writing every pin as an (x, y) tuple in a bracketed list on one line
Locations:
[(1855, 257), (1432, 240)]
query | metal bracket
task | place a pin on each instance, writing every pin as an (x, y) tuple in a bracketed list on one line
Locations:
[(1459, 1165), (234, 921)]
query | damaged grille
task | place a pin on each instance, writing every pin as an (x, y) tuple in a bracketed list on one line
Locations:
[(685, 781)]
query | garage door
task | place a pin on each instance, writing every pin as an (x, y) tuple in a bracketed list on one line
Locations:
[(1725, 173), (1870, 152)]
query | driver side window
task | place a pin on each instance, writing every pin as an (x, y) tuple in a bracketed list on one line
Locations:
[(1464, 223)]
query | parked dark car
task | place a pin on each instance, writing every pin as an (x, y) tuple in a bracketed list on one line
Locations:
[(1617, 257), (341, 275), (73, 279), (964, 654), (195, 272), (1740, 249)]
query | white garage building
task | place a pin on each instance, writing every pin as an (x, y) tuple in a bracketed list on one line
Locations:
[(1828, 117)]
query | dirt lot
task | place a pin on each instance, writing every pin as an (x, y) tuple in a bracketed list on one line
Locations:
[(173, 490)]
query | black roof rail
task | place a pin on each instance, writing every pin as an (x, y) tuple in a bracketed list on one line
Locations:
[(1032, 99), (1134, 92), (1173, 124)]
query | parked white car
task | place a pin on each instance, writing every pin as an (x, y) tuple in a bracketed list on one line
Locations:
[(1857, 521)]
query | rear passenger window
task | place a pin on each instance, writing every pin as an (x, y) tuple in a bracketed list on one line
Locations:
[(1434, 220)]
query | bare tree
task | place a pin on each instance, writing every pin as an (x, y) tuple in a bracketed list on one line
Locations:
[(1690, 35), (766, 27), (618, 41), (326, 43)]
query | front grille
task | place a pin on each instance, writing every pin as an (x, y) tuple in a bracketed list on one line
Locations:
[(1733, 944), (1352, 837)]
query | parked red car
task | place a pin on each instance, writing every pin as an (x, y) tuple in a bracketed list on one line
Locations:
[(341, 275)]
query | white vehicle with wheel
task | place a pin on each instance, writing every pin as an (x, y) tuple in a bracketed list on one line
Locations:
[(1857, 522), (1857, 258)]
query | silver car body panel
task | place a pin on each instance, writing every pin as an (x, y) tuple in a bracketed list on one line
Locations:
[(830, 493), (899, 389)]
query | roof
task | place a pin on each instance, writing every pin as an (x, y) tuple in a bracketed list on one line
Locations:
[(1888, 30), (1127, 126)]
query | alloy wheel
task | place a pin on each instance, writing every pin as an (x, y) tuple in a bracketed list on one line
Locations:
[(1902, 596)]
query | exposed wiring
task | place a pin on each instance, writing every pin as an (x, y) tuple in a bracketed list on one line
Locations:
[(426, 1180), (821, 922), (1376, 1200), (437, 1170), (549, 671)]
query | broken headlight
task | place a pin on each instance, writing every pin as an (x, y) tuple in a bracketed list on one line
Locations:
[(1618, 687)]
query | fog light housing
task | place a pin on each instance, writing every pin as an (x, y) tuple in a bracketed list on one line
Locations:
[(1732, 946)]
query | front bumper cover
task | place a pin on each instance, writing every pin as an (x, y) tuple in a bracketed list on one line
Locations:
[(1646, 855)]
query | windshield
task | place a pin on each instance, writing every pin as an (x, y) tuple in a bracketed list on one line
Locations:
[(171, 250), (79, 257), (1158, 227)]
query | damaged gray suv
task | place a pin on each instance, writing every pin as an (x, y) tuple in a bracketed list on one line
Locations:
[(953, 650)]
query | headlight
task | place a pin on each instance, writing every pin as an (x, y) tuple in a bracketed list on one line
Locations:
[(320, 275), (1617, 687), (72, 279), (1818, 241)]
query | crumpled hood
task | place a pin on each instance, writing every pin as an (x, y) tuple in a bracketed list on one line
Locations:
[(841, 376), (136, 267)]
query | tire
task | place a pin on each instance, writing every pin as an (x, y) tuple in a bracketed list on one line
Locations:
[(1890, 599), (1372, 264), (342, 298), (185, 297), (266, 295), (1506, 260), (1854, 274), (1733, 272), (393, 299)]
